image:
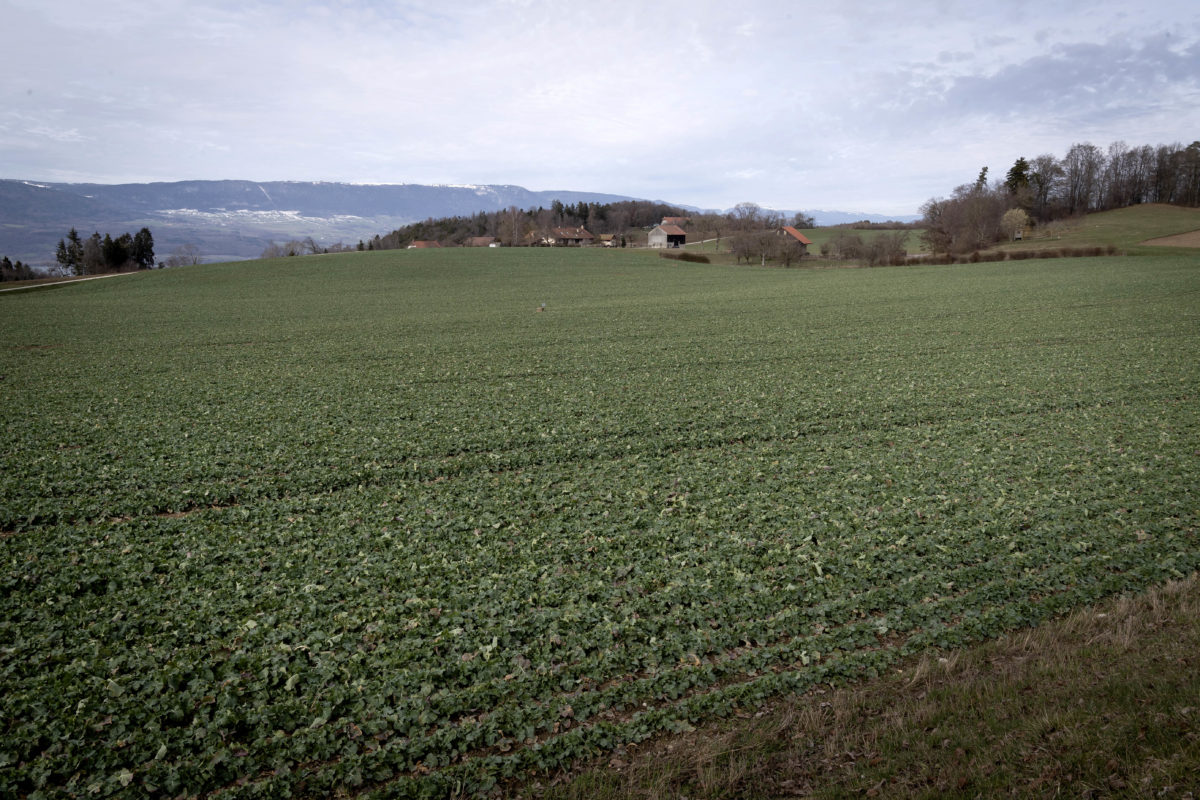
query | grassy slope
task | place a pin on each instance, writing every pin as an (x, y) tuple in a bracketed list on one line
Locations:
[(1126, 229), (817, 236), (821, 235)]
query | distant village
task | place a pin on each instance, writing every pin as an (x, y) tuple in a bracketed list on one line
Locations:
[(668, 234), (747, 232)]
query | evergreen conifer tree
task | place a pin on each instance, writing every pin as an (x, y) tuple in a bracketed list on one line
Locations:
[(143, 249)]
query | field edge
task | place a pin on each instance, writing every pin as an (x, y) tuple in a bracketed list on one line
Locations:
[(1100, 701)]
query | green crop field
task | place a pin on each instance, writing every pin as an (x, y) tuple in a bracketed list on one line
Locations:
[(818, 237), (370, 524)]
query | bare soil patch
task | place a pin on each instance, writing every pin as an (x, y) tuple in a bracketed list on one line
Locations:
[(1191, 239)]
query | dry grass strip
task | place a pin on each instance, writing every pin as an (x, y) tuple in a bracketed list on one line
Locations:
[(1102, 703)]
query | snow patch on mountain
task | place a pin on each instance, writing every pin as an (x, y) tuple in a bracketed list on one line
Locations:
[(242, 215)]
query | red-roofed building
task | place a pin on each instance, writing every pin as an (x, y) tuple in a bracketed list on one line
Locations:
[(422, 244), (789, 231), (795, 244)]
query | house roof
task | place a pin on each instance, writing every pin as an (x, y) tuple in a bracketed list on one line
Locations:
[(481, 241), (795, 234), (422, 244), (672, 230), (572, 233)]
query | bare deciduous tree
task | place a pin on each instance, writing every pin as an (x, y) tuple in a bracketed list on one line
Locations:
[(92, 262), (746, 216), (967, 221), (186, 255), (1045, 173), (885, 249), (1082, 166)]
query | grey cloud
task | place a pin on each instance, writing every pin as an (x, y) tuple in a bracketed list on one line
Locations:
[(954, 57), (1077, 79), (849, 100)]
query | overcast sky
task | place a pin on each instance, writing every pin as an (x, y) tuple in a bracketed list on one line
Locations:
[(857, 106)]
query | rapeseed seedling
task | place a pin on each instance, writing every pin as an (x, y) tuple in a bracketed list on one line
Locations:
[(366, 522)]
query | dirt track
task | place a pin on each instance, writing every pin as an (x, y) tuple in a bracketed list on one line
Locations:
[(45, 284), (1178, 240)]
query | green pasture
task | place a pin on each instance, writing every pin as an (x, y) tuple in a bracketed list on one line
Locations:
[(1125, 228), (373, 523), (817, 236)]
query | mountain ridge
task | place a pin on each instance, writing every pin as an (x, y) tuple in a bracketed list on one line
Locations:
[(236, 219)]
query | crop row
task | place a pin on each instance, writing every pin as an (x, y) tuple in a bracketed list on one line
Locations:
[(463, 614), (264, 553)]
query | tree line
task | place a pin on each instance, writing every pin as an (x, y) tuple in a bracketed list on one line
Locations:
[(750, 228), (96, 256), (15, 270), (1046, 189), (515, 227), (754, 235), (303, 247)]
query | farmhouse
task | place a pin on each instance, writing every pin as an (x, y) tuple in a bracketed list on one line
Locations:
[(569, 237), (667, 236), (423, 244), (795, 237), (482, 241)]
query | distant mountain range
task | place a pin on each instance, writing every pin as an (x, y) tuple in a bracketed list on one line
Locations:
[(229, 220)]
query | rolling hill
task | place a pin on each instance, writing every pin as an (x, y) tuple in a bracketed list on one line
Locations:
[(236, 219)]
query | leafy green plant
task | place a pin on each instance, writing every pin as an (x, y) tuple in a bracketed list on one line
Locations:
[(370, 521)]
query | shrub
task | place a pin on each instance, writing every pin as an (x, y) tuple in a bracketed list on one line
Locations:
[(694, 258), (843, 245), (886, 249)]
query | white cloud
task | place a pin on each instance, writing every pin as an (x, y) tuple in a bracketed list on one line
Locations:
[(873, 106)]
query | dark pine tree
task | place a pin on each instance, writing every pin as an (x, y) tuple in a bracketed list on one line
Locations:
[(143, 249)]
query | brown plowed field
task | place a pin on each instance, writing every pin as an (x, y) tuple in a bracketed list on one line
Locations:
[(1178, 240)]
